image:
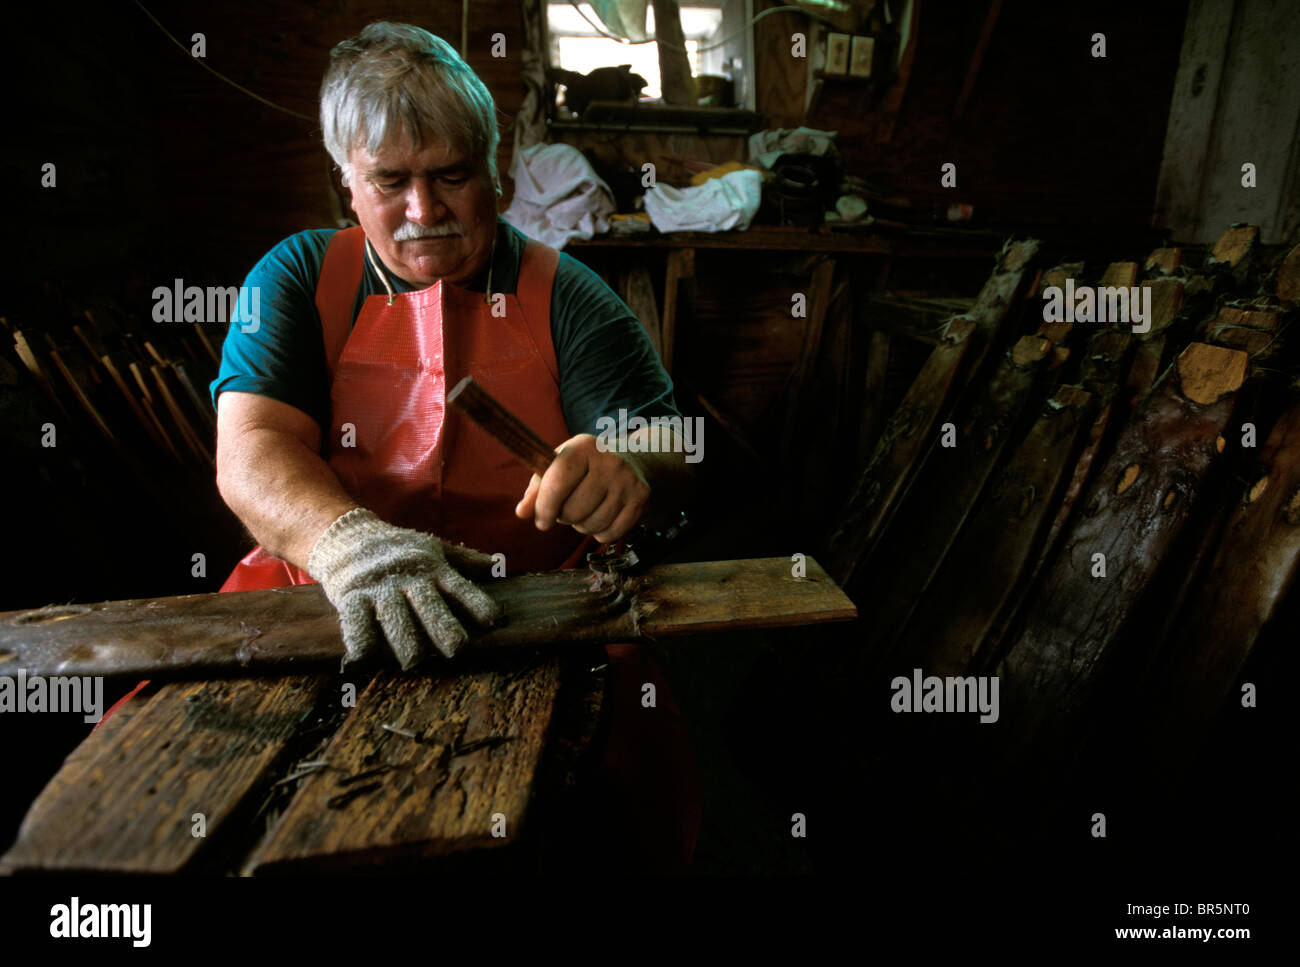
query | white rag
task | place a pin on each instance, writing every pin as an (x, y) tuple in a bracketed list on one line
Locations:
[(766, 146), (718, 205), (558, 195)]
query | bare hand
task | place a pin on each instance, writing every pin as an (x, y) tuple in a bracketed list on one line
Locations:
[(595, 492)]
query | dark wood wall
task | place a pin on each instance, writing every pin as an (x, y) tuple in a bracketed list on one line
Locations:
[(162, 168), (1049, 136)]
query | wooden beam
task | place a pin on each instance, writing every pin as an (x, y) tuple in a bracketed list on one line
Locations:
[(977, 57), (989, 566), (914, 545), (908, 434), (272, 631), (637, 291), (873, 394), (680, 268), (1251, 572), (818, 300)]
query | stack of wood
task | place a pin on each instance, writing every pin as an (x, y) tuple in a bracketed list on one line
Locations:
[(142, 391), (1085, 511)]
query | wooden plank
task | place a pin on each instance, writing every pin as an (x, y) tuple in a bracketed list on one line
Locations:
[(912, 548), (818, 301), (189, 434), (637, 291), (680, 267), (81, 394), (873, 394), (977, 57), (781, 79), (207, 345), (892, 104), (149, 426), (72, 775), (1252, 570), (996, 307), (985, 572), (679, 600), (433, 798), (909, 432), (1132, 514), (131, 807), (201, 403), (33, 364), (1101, 370), (273, 631)]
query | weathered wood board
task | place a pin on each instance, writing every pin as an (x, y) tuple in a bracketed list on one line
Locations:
[(1252, 569), (296, 629), (130, 805), (1131, 515), (905, 439), (385, 796), (983, 571), (947, 488)]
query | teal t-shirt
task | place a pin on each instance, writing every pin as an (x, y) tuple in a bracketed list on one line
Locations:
[(606, 362)]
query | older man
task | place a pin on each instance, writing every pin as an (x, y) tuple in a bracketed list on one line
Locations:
[(334, 444)]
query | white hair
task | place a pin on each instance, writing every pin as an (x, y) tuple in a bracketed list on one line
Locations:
[(395, 80)]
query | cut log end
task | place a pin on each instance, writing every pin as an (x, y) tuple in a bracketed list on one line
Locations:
[(1235, 244), (1165, 259), (1029, 350), (1208, 373)]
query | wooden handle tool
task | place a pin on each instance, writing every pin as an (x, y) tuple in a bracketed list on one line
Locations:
[(502, 425)]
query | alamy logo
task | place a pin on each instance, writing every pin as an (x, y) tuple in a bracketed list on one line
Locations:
[(934, 694), (58, 694), (103, 920), (214, 303), (668, 434), (1126, 304)]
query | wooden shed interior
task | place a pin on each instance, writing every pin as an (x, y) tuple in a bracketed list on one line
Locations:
[(888, 397)]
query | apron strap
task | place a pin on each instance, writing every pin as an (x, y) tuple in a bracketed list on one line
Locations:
[(533, 291), (336, 290)]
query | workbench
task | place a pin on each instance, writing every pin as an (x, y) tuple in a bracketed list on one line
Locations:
[(250, 754)]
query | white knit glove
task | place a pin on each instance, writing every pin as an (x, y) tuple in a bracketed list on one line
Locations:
[(389, 582)]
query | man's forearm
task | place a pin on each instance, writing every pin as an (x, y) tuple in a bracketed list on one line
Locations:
[(285, 493)]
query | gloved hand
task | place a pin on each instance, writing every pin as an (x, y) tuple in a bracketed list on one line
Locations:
[(387, 582)]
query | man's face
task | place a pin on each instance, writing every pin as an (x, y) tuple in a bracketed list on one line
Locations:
[(402, 193)]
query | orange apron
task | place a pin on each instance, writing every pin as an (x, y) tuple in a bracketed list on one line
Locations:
[(415, 468)]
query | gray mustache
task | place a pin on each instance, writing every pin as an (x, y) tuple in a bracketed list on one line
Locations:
[(410, 231)]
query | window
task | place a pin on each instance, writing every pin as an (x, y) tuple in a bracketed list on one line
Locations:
[(580, 42)]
